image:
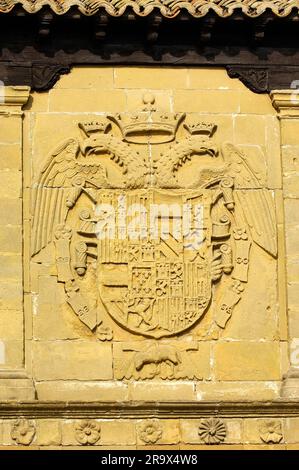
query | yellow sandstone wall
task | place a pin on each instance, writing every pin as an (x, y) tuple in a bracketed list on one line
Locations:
[(65, 337)]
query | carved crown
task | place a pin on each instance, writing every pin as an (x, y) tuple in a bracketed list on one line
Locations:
[(159, 127), (203, 128), (92, 127)]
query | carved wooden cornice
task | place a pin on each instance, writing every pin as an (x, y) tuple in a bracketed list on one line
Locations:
[(257, 43), (168, 410), (168, 8)]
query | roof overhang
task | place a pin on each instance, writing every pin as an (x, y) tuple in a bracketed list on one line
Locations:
[(256, 41), (167, 8)]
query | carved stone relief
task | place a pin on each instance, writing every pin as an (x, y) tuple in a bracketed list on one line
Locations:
[(87, 432), (98, 201), (23, 432), (212, 431)]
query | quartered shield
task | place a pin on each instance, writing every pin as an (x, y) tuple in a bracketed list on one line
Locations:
[(154, 264)]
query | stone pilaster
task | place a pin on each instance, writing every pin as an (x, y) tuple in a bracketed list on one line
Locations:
[(286, 102), (13, 380)]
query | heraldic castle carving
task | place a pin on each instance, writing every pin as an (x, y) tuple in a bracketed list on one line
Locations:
[(152, 271)]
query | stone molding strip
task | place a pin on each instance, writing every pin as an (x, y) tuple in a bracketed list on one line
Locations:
[(167, 8), (168, 410)]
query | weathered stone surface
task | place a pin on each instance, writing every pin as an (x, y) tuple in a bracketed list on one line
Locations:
[(114, 432), (96, 328), (72, 360), (216, 101), (11, 129), (237, 390), (48, 432), (87, 77), (179, 391), (82, 391), (71, 100), (10, 157), (242, 360), (10, 184), (11, 239), (10, 212), (250, 129), (150, 78)]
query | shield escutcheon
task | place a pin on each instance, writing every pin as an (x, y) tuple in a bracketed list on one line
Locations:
[(154, 266)]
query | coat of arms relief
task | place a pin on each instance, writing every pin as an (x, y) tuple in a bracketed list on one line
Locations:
[(149, 214)]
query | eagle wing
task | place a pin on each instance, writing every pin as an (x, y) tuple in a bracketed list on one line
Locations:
[(252, 199), (50, 206)]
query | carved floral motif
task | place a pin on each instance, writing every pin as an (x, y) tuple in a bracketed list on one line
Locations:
[(212, 431), (87, 432), (150, 431), (23, 431), (271, 432), (104, 333)]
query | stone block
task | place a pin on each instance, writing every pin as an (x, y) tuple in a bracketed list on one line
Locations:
[(48, 432), (82, 391), (10, 212), (37, 103), (290, 158), (10, 184), (10, 157), (293, 319), (10, 129), (11, 354), (159, 391), (291, 212), (252, 103), (11, 324), (84, 100), (291, 186), (150, 78), (10, 239), (11, 267), (216, 101), (290, 131), (237, 390), (63, 360), (11, 295), (292, 243), (247, 360), (212, 79), (87, 77), (16, 390), (250, 130), (118, 432)]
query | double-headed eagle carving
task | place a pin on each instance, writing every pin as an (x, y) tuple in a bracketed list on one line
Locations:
[(115, 154)]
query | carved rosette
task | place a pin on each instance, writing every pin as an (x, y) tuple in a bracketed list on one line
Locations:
[(23, 431), (104, 333), (87, 432), (150, 431), (212, 431), (271, 432)]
